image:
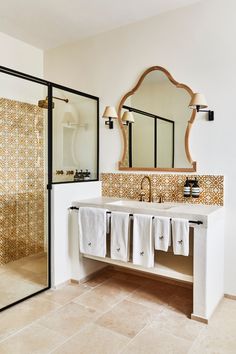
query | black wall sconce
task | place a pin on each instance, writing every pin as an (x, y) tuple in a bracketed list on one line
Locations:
[(110, 113), (198, 102)]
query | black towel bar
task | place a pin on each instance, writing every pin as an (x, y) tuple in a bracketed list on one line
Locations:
[(198, 222)]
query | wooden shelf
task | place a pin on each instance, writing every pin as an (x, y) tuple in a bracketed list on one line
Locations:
[(166, 265)]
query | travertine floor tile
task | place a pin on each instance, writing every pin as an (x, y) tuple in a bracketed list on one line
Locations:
[(179, 325), (181, 304), (14, 288), (33, 339), (226, 315), (22, 278), (214, 341), (23, 314), (154, 296), (141, 316), (127, 318), (94, 339), (66, 294), (99, 279), (107, 294), (152, 340), (69, 319)]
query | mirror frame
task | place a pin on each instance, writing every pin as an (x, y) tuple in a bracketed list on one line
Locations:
[(187, 132)]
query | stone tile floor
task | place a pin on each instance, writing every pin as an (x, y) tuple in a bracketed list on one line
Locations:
[(22, 278), (114, 313)]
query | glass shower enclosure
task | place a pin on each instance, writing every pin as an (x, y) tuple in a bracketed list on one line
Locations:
[(48, 134), (24, 199)]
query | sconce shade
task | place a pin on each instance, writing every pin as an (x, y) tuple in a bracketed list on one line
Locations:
[(110, 112), (128, 117), (198, 100)]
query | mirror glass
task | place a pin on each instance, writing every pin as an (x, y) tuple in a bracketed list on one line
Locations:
[(159, 134)]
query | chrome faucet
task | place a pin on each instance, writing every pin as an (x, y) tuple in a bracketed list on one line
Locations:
[(150, 189)]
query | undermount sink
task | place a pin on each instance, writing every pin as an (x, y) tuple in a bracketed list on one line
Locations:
[(142, 205)]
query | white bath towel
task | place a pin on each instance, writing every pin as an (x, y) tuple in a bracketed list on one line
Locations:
[(180, 236), (120, 236), (143, 241), (161, 231), (92, 231)]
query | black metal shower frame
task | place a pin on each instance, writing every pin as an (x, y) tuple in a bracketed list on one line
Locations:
[(50, 85)]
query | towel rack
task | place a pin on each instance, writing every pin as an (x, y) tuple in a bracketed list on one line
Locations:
[(198, 222)]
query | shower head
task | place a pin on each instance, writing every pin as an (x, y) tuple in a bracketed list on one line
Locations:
[(44, 103)]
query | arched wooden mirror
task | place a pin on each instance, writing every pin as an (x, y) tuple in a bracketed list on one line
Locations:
[(158, 139)]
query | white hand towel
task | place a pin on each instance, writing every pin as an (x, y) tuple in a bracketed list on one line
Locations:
[(161, 231), (143, 242), (120, 236), (180, 235), (92, 231), (108, 223)]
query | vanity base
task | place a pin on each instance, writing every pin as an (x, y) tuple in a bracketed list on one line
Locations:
[(163, 269)]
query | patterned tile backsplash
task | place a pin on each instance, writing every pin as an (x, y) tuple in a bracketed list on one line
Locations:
[(22, 181), (170, 186)]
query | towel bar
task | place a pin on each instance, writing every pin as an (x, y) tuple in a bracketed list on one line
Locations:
[(198, 222)]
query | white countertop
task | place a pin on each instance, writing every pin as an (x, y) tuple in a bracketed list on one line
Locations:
[(193, 212)]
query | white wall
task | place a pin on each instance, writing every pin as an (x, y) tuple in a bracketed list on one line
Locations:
[(22, 57), (196, 44)]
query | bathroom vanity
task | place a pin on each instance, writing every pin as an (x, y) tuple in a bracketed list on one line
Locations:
[(204, 268)]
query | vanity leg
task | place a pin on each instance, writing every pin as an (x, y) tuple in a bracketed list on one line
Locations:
[(208, 286)]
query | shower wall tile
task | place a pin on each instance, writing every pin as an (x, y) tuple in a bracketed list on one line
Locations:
[(22, 185), (170, 186)]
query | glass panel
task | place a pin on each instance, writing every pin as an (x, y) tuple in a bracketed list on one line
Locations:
[(74, 137), (23, 193), (142, 141)]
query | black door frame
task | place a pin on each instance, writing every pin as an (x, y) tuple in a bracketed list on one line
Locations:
[(50, 86)]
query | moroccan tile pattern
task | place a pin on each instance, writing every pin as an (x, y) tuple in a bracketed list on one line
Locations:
[(170, 186), (22, 182)]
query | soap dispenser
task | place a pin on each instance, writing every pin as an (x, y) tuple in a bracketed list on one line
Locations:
[(195, 189), (187, 188)]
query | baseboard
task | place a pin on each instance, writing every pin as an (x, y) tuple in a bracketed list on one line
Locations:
[(90, 276), (231, 297), (199, 319), (61, 285)]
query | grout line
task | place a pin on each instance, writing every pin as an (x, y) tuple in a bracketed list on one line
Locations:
[(198, 336), (132, 339)]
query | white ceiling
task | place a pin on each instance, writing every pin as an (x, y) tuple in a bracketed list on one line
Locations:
[(50, 23)]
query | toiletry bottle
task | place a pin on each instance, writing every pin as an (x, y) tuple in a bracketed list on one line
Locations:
[(187, 188), (87, 175), (81, 175), (76, 176), (195, 189)]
